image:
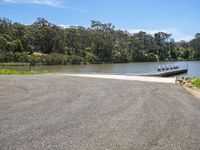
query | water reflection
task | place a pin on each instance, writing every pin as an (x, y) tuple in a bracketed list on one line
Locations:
[(193, 68)]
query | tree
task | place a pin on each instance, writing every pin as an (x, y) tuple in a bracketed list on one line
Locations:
[(3, 44), (5, 25), (47, 43), (162, 42), (195, 44)]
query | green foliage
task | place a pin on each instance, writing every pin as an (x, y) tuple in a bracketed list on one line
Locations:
[(46, 43), (75, 59), (196, 82), (54, 59), (90, 58), (14, 57)]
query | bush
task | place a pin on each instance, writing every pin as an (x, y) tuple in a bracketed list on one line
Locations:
[(21, 57), (90, 57), (46, 59), (75, 59), (53, 59), (151, 57), (34, 59)]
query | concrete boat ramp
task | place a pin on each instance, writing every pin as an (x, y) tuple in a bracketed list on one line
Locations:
[(125, 77), (147, 77)]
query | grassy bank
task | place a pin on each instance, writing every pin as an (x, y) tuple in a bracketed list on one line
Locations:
[(192, 85), (15, 72), (195, 82), (191, 82)]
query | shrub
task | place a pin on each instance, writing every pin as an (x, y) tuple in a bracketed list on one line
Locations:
[(75, 59)]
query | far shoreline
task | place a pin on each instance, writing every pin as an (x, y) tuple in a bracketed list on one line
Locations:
[(85, 64)]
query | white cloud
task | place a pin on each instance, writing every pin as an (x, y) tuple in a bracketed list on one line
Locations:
[(64, 26), (52, 3), (10, 1), (176, 34)]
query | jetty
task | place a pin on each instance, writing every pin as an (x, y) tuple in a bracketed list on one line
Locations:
[(166, 73)]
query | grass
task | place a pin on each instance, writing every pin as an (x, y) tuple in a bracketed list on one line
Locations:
[(196, 82), (15, 72)]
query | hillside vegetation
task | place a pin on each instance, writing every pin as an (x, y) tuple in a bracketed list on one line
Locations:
[(49, 44)]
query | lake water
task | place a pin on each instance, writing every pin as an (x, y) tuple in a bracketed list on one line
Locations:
[(193, 68)]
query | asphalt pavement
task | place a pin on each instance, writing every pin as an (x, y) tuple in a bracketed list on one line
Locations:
[(44, 112)]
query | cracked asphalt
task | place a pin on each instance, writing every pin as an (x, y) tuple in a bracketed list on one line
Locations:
[(44, 112)]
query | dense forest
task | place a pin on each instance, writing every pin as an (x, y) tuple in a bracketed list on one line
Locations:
[(46, 43)]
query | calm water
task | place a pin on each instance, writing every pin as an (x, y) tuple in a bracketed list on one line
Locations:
[(193, 68)]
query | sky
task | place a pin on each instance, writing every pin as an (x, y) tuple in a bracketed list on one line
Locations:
[(181, 18)]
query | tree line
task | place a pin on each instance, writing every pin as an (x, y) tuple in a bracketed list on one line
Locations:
[(46, 43)]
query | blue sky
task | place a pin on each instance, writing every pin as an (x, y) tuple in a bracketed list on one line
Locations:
[(179, 17)]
